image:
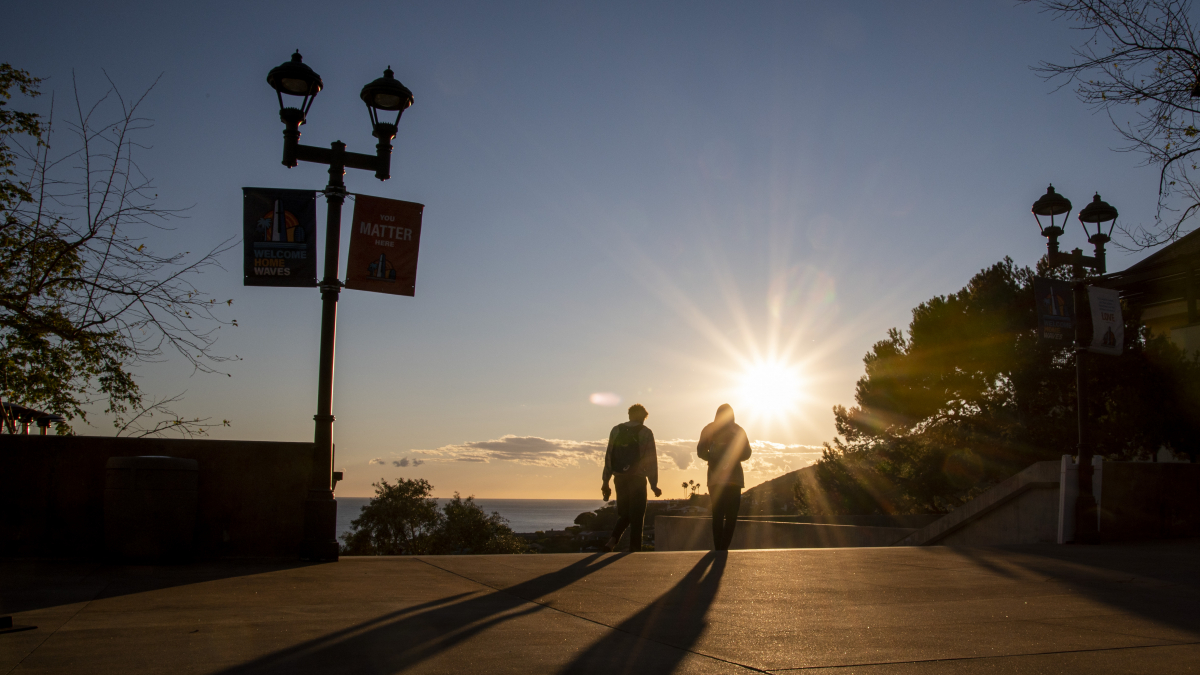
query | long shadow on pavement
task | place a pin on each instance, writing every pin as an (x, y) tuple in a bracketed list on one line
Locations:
[(676, 619), (1157, 581), (403, 639), (28, 585)]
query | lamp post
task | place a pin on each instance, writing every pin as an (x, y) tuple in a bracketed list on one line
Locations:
[(1097, 212), (386, 94)]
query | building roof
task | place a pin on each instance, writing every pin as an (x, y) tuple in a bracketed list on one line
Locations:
[(1161, 277)]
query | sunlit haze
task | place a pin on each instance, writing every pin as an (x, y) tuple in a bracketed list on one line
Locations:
[(771, 390), (673, 204)]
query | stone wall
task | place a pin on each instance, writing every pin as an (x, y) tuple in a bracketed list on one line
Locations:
[(1029, 518), (251, 493), (1139, 500)]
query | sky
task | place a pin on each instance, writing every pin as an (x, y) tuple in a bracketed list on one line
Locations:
[(680, 204)]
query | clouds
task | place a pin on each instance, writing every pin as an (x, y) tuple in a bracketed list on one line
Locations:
[(605, 398), (677, 453), (528, 450), (398, 463), (766, 457), (778, 458)]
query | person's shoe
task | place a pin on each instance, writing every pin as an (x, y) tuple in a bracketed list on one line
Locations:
[(609, 545)]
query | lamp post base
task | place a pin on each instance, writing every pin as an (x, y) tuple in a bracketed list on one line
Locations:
[(320, 529)]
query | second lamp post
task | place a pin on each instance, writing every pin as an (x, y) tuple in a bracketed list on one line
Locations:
[(1096, 213), (385, 94)]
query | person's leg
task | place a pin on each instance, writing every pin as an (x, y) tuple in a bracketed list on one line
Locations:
[(622, 490), (731, 503), (637, 512), (622, 523), (716, 498)]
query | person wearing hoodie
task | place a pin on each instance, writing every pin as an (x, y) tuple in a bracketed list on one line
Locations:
[(630, 459), (724, 445)]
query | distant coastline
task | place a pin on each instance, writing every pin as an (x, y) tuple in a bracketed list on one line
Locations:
[(524, 515)]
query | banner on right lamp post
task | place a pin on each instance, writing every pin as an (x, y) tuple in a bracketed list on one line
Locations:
[(385, 237), (1108, 327)]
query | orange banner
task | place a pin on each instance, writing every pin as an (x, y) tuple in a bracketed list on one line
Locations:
[(384, 240)]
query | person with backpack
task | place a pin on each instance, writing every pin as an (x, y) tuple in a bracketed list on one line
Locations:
[(724, 445), (631, 458)]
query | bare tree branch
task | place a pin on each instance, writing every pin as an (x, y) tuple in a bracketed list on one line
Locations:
[(1139, 62), (139, 425), (83, 296)]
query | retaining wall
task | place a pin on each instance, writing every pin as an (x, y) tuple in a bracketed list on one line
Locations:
[(1138, 500), (693, 533), (251, 493), (909, 521), (1146, 500), (1020, 510)]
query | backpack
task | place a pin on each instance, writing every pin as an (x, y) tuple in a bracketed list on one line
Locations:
[(626, 449), (720, 444)]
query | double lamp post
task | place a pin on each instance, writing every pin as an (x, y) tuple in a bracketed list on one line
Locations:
[(1096, 213), (384, 95)]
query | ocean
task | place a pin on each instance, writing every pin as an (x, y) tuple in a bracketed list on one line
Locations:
[(524, 515)]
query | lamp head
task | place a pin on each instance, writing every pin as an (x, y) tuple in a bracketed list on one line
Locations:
[(1051, 204), (294, 78), (386, 94), (1098, 212)]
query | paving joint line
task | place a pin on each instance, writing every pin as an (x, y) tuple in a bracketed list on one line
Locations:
[(55, 631), (599, 623), (979, 658)]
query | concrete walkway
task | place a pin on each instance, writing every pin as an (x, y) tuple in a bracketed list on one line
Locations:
[(1032, 609)]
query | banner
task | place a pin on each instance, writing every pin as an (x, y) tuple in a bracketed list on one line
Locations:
[(1055, 310), (385, 236), (1108, 327), (279, 235)]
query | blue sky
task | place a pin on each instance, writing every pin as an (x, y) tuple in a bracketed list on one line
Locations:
[(635, 199)]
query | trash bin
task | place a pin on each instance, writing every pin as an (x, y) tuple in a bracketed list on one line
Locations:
[(150, 507)]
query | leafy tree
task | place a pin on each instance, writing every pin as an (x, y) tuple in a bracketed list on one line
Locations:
[(401, 519), (83, 296), (466, 528), (969, 396), (14, 124), (1139, 62)]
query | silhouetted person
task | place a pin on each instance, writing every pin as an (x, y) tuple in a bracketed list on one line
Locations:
[(631, 458), (723, 444)]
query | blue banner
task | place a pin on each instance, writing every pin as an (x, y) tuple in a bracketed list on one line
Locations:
[(1055, 310), (279, 235)]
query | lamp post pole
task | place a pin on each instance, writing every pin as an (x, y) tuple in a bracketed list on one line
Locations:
[(320, 508), (1098, 212), (1085, 505), (293, 78)]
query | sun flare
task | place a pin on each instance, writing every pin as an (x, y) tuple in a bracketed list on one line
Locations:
[(771, 389)]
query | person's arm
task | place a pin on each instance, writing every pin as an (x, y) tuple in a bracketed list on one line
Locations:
[(650, 460), (702, 445), (745, 447), (604, 489)]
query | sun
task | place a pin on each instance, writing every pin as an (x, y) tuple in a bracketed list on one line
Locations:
[(771, 389)]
